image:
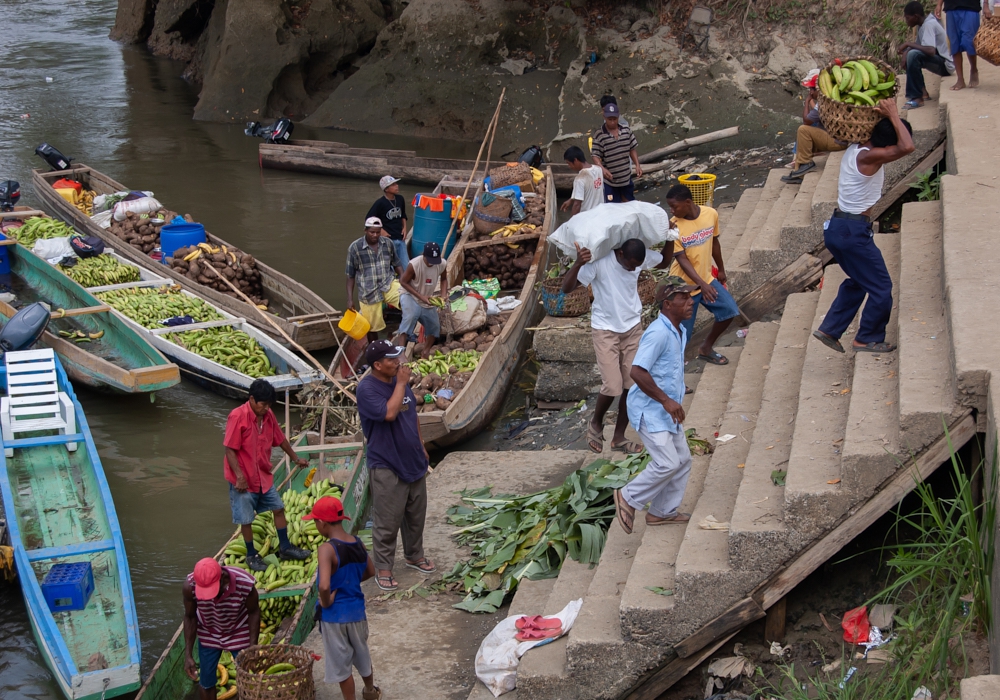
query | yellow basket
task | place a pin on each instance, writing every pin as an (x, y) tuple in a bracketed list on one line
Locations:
[(354, 324), (702, 186)]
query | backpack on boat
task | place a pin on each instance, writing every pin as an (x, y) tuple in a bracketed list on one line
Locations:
[(86, 246)]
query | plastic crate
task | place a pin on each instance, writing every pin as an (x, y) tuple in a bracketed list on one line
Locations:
[(68, 586)]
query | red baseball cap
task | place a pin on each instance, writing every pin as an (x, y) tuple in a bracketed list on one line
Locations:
[(328, 509), (207, 574)]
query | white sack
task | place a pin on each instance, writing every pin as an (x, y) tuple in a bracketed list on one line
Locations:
[(53, 249), (143, 205), (604, 228)]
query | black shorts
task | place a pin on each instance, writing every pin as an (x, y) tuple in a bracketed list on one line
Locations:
[(625, 193)]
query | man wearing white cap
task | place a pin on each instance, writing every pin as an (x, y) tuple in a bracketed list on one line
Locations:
[(391, 210), (812, 137), (373, 267)]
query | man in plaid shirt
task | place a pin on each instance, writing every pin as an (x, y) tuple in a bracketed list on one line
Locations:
[(372, 266)]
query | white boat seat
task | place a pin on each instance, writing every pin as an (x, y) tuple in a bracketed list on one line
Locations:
[(33, 401)]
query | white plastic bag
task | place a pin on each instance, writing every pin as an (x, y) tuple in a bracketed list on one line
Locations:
[(143, 205), (604, 228), (53, 249), (103, 219), (500, 654)]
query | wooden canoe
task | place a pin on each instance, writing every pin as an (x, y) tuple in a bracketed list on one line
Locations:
[(478, 402), (121, 360), (332, 158), (167, 680), (292, 370), (59, 510), (304, 315)]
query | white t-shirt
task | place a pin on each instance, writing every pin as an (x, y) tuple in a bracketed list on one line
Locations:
[(426, 278), (588, 187), (616, 305), (931, 33)]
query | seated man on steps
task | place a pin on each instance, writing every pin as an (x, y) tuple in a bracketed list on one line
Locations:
[(848, 235), (929, 51), (811, 138)]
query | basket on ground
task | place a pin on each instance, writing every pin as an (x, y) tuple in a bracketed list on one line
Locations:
[(702, 186), (509, 174), (847, 122), (488, 218), (254, 684), (558, 303), (647, 285), (987, 41)]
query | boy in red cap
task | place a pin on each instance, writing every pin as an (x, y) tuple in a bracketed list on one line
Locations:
[(343, 564), (221, 609)]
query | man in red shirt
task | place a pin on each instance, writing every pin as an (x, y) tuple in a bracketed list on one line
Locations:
[(251, 432)]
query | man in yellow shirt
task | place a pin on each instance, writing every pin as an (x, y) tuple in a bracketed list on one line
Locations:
[(693, 254)]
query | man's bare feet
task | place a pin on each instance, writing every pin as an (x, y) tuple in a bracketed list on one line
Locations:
[(959, 85), (974, 79)]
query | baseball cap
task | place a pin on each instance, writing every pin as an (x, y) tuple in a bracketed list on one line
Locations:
[(387, 180), (207, 574), (381, 349), (328, 509), (672, 285), (811, 78), (432, 251), (611, 110), (373, 222)]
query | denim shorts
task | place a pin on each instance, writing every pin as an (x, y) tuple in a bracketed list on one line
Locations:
[(208, 665), (617, 195), (413, 312), (723, 308), (247, 504)]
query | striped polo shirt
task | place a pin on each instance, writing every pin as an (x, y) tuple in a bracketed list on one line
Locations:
[(614, 153), (224, 623)]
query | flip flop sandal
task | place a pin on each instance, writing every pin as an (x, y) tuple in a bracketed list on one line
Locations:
[(537, 622), (912, 104), (390, 585), (679, 519), (629, 447), (714, 359), (828, 340), (533, 635), (688, 390), (875, 347), (424, 566), (621, 514), (374, 694), (595, 436)]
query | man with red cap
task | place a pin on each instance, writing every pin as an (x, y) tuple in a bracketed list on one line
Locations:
[(812, 137), (220, 609), (343, 564)]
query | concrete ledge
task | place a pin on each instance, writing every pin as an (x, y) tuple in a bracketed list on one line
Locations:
[(981, 688), (564, 344), (566, 381)]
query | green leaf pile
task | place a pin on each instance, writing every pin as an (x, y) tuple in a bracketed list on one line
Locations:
[(516, 537)]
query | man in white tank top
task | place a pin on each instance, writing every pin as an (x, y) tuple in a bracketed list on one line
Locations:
[(848, 235)]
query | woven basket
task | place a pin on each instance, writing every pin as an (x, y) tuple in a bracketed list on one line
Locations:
[(489, 218), (509, 174), (557, 303), (987, 41), (647, 288), (851, 123), (252, 684)]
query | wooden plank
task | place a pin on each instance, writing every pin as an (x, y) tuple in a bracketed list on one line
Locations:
[(653, 687), (806, 270), (8, 241), (499, 240), (21, 213), (734, 619), (70, 550), (84, 311), (901, 187), (332, 447), (197, 326), (774, 623)]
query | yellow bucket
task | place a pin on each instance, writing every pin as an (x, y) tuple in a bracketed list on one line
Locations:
[(702, 186), (354, 324)]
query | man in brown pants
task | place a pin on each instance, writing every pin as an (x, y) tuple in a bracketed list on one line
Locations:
[(398, 462), (811, 138)]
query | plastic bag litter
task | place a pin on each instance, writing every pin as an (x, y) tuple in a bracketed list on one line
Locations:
[(496, 306), (52, 250), (103, 219), (605, 228), (500, 654), (856, 626)]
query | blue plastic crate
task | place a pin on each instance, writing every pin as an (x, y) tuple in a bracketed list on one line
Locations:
[(68, 586)]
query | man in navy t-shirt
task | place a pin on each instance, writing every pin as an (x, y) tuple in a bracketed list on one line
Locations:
[(398, 462), (391, 210)]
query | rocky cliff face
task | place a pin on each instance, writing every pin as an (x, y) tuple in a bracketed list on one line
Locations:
[(436, 68)]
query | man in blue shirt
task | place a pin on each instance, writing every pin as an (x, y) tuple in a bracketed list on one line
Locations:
[(654, 409), (398, 462)]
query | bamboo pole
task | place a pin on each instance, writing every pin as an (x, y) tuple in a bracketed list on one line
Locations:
[(688, 143), (322, 430)]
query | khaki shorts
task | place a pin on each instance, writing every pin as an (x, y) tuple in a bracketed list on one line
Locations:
[(615, 352), (373, 312)]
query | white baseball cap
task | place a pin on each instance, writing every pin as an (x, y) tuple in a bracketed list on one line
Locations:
[(387, 180), (373, 222)]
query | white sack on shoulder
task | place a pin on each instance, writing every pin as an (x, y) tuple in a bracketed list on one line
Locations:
[(604, 228)]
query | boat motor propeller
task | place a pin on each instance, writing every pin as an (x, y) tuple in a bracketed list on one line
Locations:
[(279, 132), (10, 192), (55, 159)]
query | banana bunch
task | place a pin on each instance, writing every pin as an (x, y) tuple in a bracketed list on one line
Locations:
[(40, 227), (148, 306), (100, 270), (440, 363), (858, 82), (206, 249), (436, 301), (225, 683), (80, 336), (85, 202), (232, 348)]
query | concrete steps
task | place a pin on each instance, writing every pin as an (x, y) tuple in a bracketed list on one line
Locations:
[(740, 258), (765, 250), (732, 230)]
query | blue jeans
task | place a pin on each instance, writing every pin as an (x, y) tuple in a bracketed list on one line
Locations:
[(247, 504), (401, 253), (916, 61), (855, 251), (413, 312), (723, 308), (208, 665)]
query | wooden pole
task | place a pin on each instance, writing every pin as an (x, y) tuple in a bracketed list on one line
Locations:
[(774, 623), (490, 129), (322, 430), (688, 143)]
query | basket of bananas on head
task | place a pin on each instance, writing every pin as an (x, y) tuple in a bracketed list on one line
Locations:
[(848, 93)]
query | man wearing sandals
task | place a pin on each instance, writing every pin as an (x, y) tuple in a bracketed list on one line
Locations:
[(929, 51), (848, 235), (615, 321), (654, 407), (397, 461), (693, 254)]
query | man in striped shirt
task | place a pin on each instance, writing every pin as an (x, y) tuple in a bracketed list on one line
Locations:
[(614, 150)]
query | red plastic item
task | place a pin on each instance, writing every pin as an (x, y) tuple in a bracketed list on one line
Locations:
[(856, 625), (65, 184)]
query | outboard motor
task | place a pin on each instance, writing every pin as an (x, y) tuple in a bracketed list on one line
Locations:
[(25, 328), (10, 192), (55, 159), (279, 132), (532, 156)]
